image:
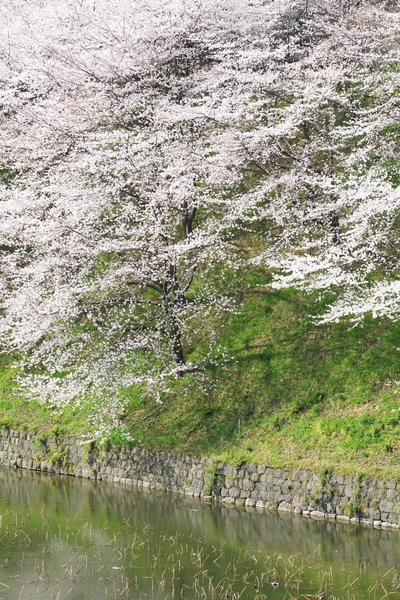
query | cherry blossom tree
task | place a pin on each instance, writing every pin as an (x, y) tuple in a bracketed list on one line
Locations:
[(124, 185), (140, 140)]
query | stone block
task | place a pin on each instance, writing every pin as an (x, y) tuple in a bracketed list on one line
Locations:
[(247, 485), (342, 519), (394, 517), (348, 491), (228, 501), (250, 502), (299, 501), (374, 514), (240, 502), (234, 492), (285, 507), (386, 506), (229, 471), (318, 515)]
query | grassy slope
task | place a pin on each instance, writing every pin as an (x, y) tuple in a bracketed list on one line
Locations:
[(292, 394), (295, 393)]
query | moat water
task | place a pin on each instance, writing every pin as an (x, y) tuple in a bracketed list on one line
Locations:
[(63, 537)]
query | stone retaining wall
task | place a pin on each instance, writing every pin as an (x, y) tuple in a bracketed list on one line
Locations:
[(367, 501)]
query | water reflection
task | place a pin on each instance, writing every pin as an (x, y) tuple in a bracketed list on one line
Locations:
[(71, 538)]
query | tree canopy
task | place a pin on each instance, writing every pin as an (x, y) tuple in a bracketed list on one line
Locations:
[(141, 143)]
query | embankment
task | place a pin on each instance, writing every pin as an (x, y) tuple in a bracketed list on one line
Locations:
[(365, 500)]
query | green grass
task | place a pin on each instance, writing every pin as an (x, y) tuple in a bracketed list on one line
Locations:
[(291, 393)]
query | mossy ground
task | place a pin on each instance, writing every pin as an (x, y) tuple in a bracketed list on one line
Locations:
[(291, 393)]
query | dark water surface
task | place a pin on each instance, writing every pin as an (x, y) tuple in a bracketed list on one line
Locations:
[(71, 538)]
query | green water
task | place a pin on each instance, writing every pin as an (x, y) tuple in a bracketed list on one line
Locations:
[(69, 538)]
